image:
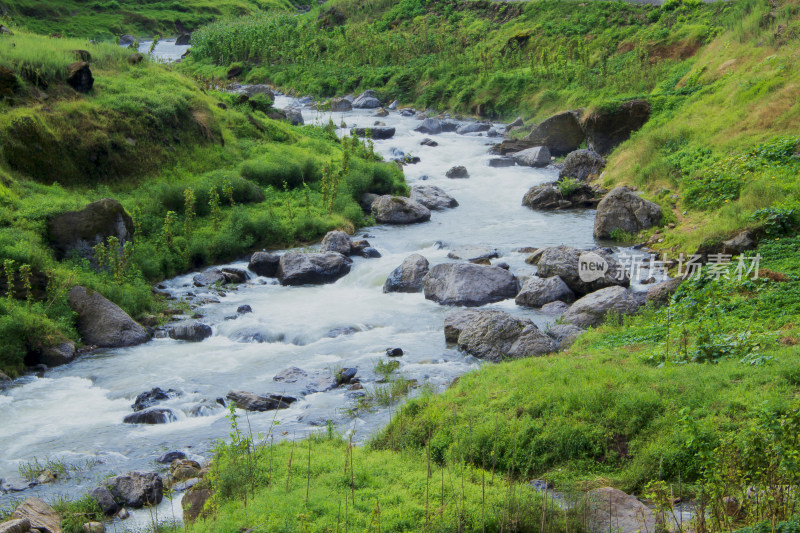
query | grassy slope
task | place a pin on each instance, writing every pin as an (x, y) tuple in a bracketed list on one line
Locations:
[(145, 135), (106, 19)]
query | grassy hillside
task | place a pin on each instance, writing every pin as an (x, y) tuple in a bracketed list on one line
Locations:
[(205, 179), (106, 19)]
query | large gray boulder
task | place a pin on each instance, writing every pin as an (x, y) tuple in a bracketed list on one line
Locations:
[(468, 284), (456, 321), (582, 165), (496, 335), (623, 210), (77, 232), (134, 490), (537, 292), (341, 104), (429, 126), (607, 128), (389, 209), (190, 332), (592, 309), (336, 241), (565, 262), (538, 156), (102, 323), (297, 268), (551, 197), (473, 127), (264, 264), (432, 197), (367, 100), (408, 276), (561, 133), (610, 509), (661, 293), (253, 402)]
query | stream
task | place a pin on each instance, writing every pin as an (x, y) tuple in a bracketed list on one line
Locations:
[(74, 413)]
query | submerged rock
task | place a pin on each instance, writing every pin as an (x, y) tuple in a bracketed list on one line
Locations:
[(375, 132)]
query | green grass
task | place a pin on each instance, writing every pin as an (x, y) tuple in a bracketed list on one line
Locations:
[(145, 135), (106, 19)]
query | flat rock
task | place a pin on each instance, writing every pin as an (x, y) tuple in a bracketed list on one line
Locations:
[(472, 253), (473, 127)]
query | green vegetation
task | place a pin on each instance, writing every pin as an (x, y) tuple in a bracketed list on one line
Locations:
[(204, 183), (107, 19)]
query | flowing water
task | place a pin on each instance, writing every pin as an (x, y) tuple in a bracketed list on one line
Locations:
[(74, 413)]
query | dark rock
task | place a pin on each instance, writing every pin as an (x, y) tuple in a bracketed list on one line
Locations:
[(561, 133), (168, 457), (359, 246), (234, 275), (126, 40), (624, 210), (555, 308), (102, 323), (538, 156), (537, 292), (154, 415), (606, 129), (264, 264), (399, 210), (592, 309), (429, 126), (550, 197), (253, 402), (468, 284), (336, 241), (565, 262), (79, 76), (457, 172), (205, 408), (312, 268), (105, 500), (209, 277), (661, 293), (183, 39), (473, 127), (366, 201), (244, 309), (152, 397), (135, 59), (376, 132), (394, 352), (58, 354), (408, 276), (429, 142), (77, 232), (582, 165), (432, 197), (370, 253), (234, 71), (511, 146), (448, 126), (134, 490), (190, 332), (345, 375), (338, 332), (8, 82), (496, 335), (500, 162), (294, 115)]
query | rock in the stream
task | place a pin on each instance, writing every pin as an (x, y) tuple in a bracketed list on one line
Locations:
[(253, 402), (292, 374), (394, 352), (611, 509), (457, 172), (432, 197), (551, 197), (660, 293), (582, 165), (538, 156), (77, 232), (39, 515), (105, 500), (607, 128), (336, 241), (375, 132), (496, 335), (367, 100), (429, 142), (136, 489), (102, 323), (264, 264), (592, 309), (244, 309), (455, 322), (210, 277), (340, 104), (154, 415), (234, 275), (473, 127), (561, 133), (473, 254), (297, 268), (190, 332), (537, 292), (399, 210), (623, 210), (565, 262), (126, 40), (468, 284), (429, 126), (168, 457), (501, 162), (408, 276), (58, 354), (564, 334), (152, 397)]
